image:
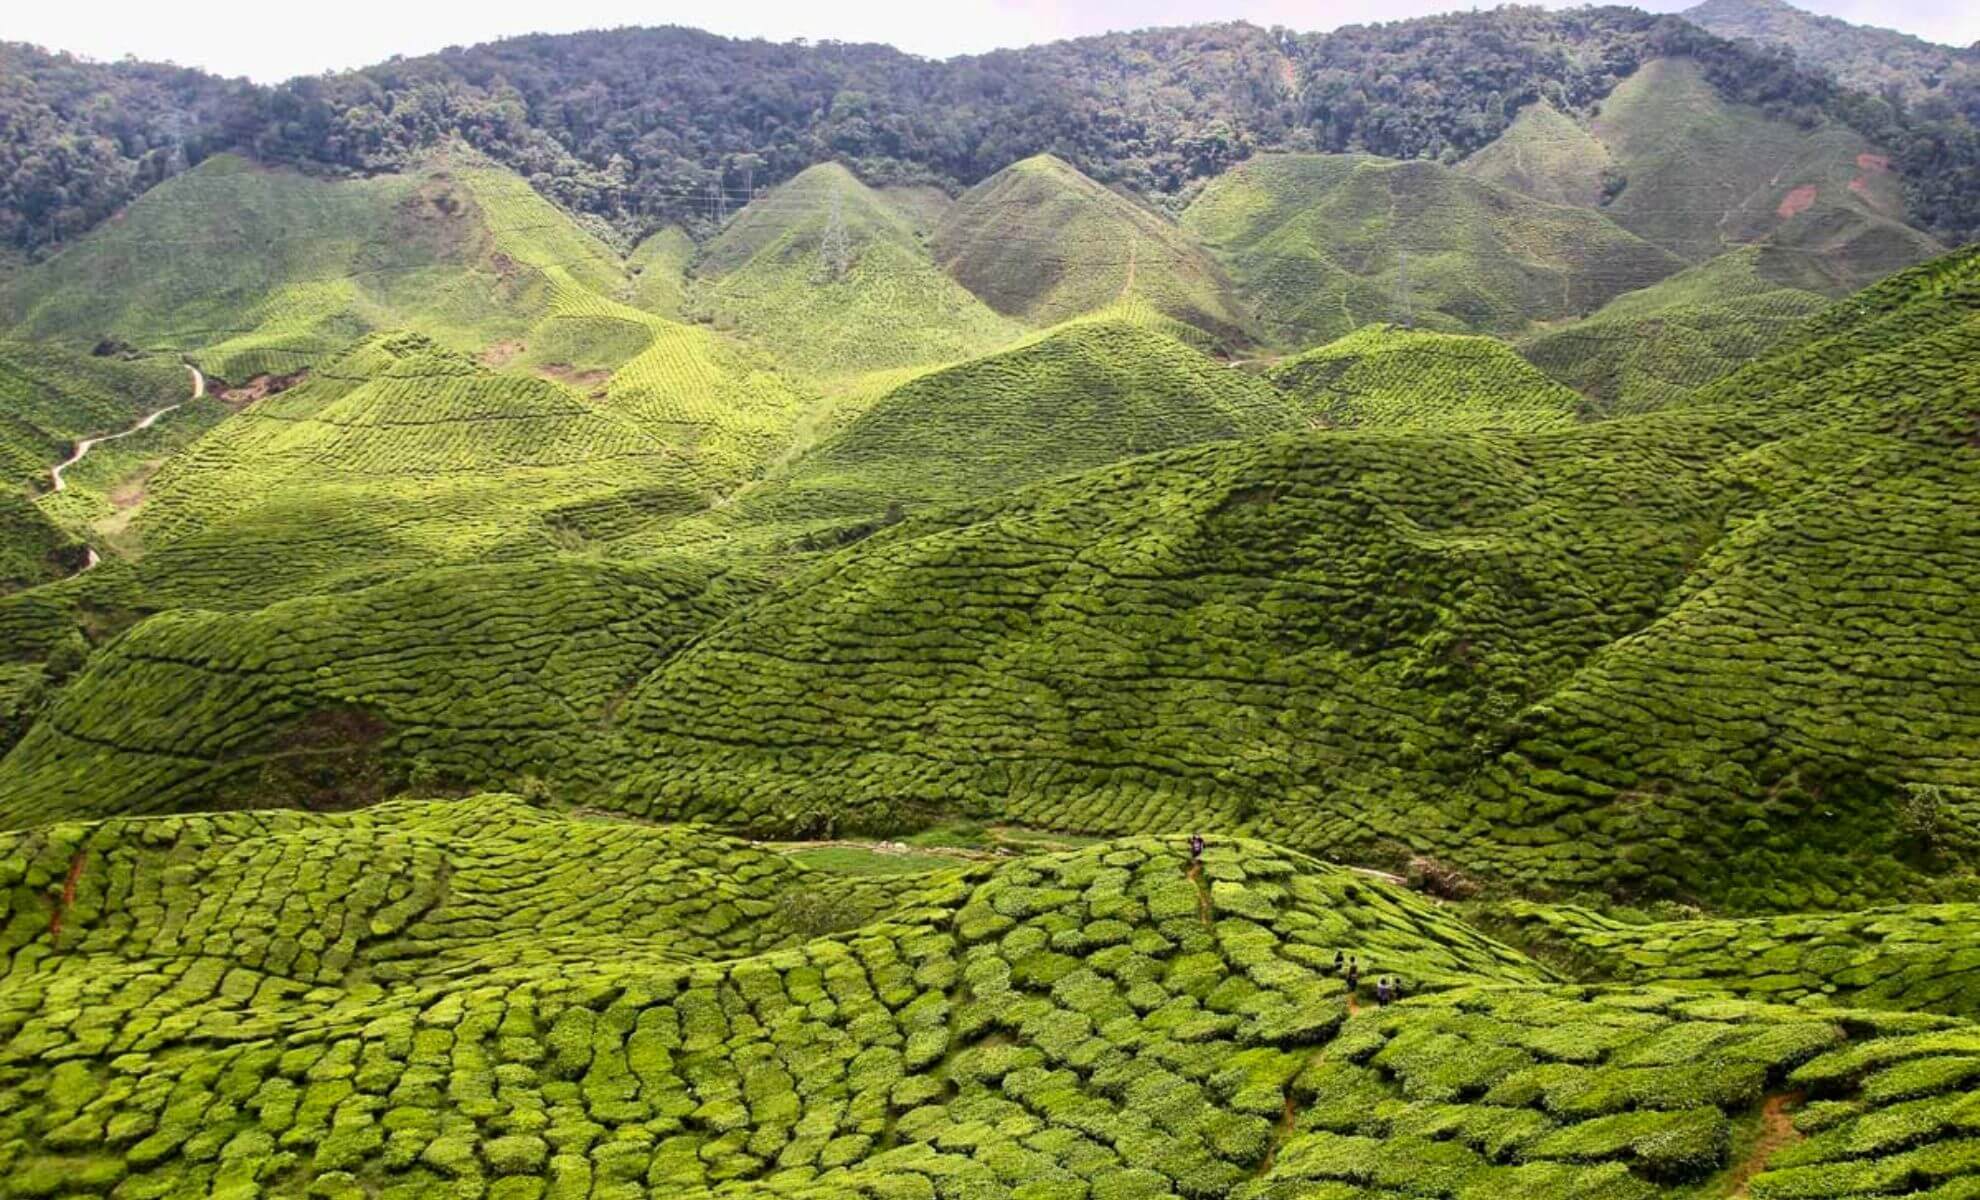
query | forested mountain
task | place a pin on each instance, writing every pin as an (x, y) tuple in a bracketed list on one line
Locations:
[(641, 127), (1882, 62)]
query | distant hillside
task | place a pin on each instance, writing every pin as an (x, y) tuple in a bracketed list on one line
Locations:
[(253, 270), (1042, 242), (1323, 244), (645, 128), (1700, 176), (1862, 56), (1387, 377), (1654, 347), (824, 274)]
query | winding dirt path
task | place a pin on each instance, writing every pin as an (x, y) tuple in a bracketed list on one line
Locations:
[(151, 418), (83, 447), (1777, 1131)]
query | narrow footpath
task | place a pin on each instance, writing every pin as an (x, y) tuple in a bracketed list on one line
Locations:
[(84, 446)]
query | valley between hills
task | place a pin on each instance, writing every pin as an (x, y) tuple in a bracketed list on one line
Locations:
[(530, 678)]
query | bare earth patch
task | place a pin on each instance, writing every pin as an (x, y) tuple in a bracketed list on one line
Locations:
[(1799, 200), (501, 354)]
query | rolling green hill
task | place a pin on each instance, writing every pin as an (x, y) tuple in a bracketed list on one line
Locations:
[(1392, 378), (829, 277), (1090, 392), (1658, 346), (1043, 243), (1547, 154), (1556, 658), (1704, 175), (362, 688), (399, 454), (251, 270), (1324, 244), (50, 399), (1562, 659), (481, 998)]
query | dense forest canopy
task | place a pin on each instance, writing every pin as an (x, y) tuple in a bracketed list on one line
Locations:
[(640, 127)]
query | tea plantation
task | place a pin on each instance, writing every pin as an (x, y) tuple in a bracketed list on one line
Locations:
[(481, 999), (710, 697), (1327, 243), (1040, 241)]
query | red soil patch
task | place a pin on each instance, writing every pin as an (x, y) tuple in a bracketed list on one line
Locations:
[(68, 897), (1799, 200), (260, 387), (1873, 162)]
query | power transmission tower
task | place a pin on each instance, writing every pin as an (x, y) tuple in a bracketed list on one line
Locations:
[(835, 248)]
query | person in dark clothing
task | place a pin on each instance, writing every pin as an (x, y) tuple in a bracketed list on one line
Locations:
[(1353, 975), (1195, 847), (1382, 990), (1395, 989)]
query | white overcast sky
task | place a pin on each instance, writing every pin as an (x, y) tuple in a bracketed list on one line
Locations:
[(270, 41)]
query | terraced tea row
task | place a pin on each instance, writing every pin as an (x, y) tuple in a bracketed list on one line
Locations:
[(1923, 958), (1387, 377), (1109, 1022)]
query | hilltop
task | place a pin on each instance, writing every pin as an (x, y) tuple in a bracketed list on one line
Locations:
[(1327, 243), (256, 271), (826, 275), (1042, 242), (1392, 378), (1863, 56)]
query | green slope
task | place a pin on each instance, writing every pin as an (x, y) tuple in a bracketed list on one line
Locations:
[(659, 266), (1392, 378), (1090, 392), (480, 998), (482, 673), (1324, 244), (1044, 243), (50, 399), (399, 455), (1659, 345), (1704, 175), (1703, 652), (1547, 154), (827, 276), (462, 675), (254, 270), (1917, 958)]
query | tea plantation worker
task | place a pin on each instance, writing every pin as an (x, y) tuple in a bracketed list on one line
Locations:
[(1196, 847), (1382, 990), (1353, 974)]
